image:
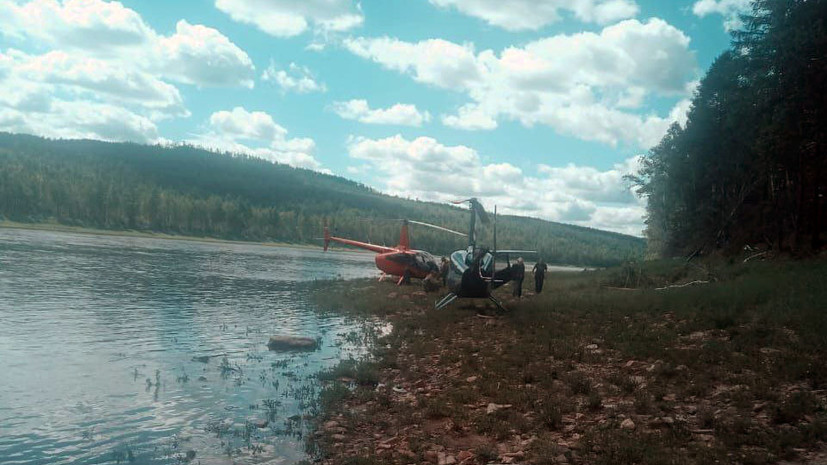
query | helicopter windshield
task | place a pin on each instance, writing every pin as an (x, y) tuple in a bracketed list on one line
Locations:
[(458, 259)]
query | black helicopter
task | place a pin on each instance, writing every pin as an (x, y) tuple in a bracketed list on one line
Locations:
[(473, 271)]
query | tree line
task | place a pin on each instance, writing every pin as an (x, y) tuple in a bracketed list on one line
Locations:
[(190, 191), (748, 167)]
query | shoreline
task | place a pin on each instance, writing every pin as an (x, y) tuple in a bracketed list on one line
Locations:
[(55, 227), (585, 374)]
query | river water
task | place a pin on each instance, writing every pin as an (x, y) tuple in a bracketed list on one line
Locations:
[(138, 350)]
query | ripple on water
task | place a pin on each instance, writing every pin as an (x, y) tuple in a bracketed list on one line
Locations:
[(102, 336)]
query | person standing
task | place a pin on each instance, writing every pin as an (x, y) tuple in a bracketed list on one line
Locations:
[(539, 271), (444, 267), (518, 274)]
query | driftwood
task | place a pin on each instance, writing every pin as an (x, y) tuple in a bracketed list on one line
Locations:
[(759, 254), (675, 286)]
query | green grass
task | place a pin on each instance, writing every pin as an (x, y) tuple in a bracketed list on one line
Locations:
[(731, 371)]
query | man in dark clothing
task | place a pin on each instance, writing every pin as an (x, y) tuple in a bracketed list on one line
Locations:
[(517, 275), (432, 282), (539, 271)]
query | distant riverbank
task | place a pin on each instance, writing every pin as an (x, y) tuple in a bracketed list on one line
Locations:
[(56, 227)]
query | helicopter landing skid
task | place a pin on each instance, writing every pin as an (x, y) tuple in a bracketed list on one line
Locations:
[(445, 301), (499, 304), (451, 297)]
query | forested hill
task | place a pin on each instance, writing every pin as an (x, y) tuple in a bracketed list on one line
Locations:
[(190, 191), (749, 168)]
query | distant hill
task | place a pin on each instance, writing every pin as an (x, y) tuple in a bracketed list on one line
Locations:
[(191, 191)]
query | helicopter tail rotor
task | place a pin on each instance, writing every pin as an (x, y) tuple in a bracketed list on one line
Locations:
[(326, 237)]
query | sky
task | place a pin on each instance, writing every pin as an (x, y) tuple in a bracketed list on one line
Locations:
[(537, 106)]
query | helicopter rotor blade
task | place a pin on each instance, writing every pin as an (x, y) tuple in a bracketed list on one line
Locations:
[(438, 227)]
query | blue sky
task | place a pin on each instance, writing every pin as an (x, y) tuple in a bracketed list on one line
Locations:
[(539, 106)]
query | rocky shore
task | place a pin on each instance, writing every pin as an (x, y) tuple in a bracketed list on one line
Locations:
[(581, 374)]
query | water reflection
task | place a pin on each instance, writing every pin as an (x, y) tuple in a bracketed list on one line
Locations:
[(116, 349)]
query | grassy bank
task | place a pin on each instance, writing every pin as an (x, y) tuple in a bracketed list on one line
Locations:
[(604, 367)]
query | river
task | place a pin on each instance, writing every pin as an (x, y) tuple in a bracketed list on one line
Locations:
[(123, 349)]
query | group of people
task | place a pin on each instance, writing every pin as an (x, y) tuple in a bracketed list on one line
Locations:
[(437, 278), (518, 275)]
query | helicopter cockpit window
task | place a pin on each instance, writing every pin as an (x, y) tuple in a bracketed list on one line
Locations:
[(486, 261), (458, 259)]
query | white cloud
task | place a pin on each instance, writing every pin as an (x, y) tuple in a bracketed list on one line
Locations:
[(59, 95), (399, 114), (80, 120), (581, 84), (92, 77), (102, 72), (729, 9), (518, 15), (426, 169), (470, 118), (435, 61), (295, 78), (88, 24), (256, 133), (288, 18), (194, 54), (203, 56)]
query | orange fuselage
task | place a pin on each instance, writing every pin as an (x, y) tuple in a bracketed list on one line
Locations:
[(394, 261)]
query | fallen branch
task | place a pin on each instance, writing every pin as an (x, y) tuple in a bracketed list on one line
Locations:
[(760, 254), (674, 286), (621, 288)]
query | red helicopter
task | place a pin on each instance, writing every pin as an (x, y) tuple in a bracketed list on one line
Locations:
[(401, 260)]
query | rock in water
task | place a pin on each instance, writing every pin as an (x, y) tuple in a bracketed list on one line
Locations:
[(292, 343)]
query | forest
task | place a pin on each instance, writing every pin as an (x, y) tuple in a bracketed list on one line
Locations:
[(747, 170), (190, 191)]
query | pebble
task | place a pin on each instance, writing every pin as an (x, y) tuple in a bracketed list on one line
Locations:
[(627, 424)]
